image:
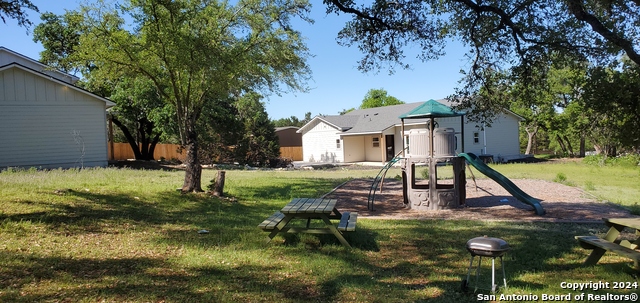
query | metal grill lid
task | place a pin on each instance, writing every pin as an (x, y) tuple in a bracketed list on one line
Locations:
[(487, 244)]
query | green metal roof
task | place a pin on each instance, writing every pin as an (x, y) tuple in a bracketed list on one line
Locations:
[(430, 109)]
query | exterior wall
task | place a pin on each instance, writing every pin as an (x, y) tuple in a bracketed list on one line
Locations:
[(289, 137), (354, 149), (502, 139), (45, 124), (319, 144), (373, 154)]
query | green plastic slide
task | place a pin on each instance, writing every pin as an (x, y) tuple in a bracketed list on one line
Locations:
[(503, 181)]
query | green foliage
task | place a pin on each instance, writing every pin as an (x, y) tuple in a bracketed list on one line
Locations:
[(15, 9), (60, 36), (537, 44), (520, 36), (631, 160), (588, 185), (259, 145), (560, 178), (344, 111), (424, 173), (293, 121), (612, 101), (219, 130), (378, 98), (194, 51)]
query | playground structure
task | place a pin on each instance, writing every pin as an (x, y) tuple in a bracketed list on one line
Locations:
[(434, 149)]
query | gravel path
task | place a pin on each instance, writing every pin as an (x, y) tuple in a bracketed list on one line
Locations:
[(489, 201)]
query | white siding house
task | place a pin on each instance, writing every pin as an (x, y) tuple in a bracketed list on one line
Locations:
[(375, 135), (46, 121), (323, 143)]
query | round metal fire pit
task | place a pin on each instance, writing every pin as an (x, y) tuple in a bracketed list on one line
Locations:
[(486, 247)]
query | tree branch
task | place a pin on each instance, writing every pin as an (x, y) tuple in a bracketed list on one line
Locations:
[(577, 9)]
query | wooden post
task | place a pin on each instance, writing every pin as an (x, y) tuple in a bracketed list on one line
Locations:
[(218, 188)]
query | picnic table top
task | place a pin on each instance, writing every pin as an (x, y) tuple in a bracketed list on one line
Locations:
[(628, 222), (309, 205)]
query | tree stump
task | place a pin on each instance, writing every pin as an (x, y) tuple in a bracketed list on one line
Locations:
[(218, 186)]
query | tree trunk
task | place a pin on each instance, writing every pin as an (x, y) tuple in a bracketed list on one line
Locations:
[(583, 149), (193, 172), (143, 149), (531, 133), (598, 149), (218, 188), (130, 139), (569, 147), (561, 143)]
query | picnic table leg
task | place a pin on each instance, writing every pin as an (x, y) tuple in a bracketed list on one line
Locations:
[(279, 228), (613, 233), (597, 253), (632, 245), (595, 256), (335, 214), (335, 231)]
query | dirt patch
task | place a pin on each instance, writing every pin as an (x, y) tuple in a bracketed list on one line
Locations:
[(487, 201)]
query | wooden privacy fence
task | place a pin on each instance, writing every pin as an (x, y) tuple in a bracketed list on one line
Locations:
[(291, 152), (122, 151)]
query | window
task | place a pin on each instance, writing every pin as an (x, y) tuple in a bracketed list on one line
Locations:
[(476, 137), (338, 143), (376, 141)]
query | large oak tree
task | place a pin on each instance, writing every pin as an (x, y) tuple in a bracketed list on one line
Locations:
[(193, 50), (523, 37)]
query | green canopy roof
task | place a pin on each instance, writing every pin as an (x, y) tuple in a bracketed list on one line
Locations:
[(430, 109)]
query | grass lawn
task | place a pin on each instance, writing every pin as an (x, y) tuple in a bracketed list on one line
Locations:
[(121, 235)]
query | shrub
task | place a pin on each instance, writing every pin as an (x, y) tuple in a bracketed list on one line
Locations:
[(589, 185), (629, 160), (560, 178)]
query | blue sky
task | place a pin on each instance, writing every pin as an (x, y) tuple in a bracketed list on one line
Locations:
[(337, 84)]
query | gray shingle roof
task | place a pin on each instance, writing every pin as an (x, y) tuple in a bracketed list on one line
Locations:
[(374, 120), (342, 122), (378, 119)]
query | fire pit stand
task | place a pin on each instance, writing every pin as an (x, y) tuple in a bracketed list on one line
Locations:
[(486, 247)]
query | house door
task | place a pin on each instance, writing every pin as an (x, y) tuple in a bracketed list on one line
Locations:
[(390, 151)]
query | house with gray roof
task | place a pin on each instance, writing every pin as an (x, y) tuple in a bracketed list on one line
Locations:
[(375, 135)]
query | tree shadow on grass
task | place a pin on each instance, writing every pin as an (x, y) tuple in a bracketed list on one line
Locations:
[(361, 239), (286, 189), (141, 279)]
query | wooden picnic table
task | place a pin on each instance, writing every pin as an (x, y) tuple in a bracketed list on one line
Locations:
[(610, 241), (311, 209)]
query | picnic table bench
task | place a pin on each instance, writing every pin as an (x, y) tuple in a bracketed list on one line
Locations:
[(610, 241), (311, 209)]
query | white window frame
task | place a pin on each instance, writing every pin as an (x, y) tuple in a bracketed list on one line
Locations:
[(375, 142)]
